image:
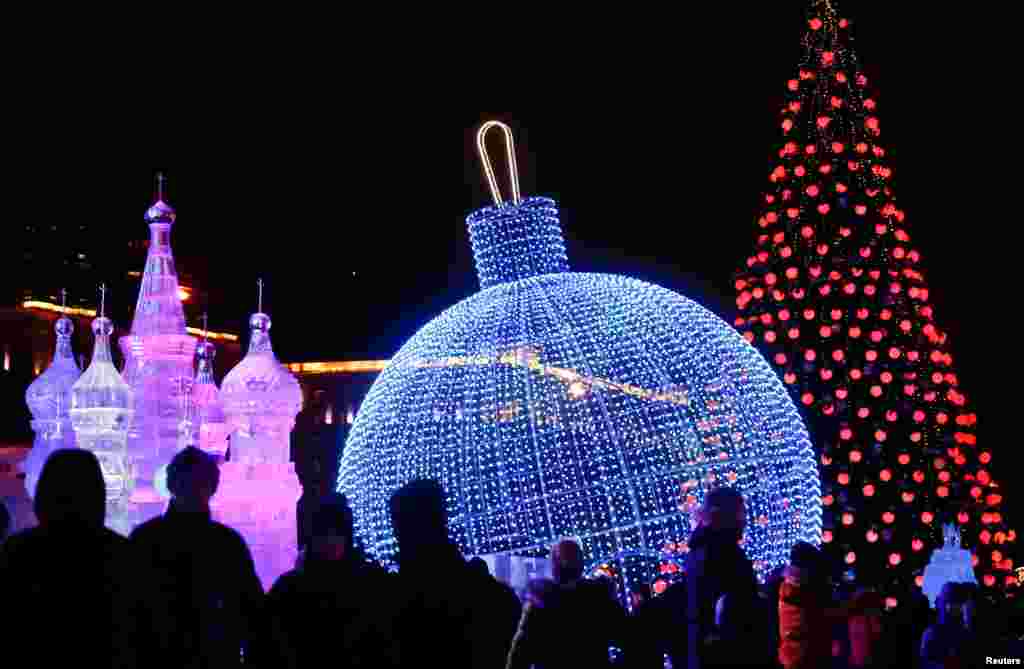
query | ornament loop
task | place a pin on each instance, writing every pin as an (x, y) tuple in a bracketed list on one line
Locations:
[(510, 151)]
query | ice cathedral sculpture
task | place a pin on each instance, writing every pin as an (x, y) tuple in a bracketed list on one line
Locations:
[(158, 354), (100, 414), (949, 564), (258, 487), (49, 400)]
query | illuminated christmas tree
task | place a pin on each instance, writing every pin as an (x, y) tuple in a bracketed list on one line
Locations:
[(835, 297)]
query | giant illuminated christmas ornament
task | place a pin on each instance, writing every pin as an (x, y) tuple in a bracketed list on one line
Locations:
[(258, 487), (101, 412), (49, 400), (556, 404), (158, 356), (835, 295)]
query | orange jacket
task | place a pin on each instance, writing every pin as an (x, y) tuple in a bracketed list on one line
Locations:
[(805, 623)]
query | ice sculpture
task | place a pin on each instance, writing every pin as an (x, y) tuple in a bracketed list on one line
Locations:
[(49, 400), (100, 414), (258, 486), (949, 564), (158, 363)]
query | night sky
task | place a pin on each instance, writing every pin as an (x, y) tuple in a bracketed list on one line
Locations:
[(657, 157)]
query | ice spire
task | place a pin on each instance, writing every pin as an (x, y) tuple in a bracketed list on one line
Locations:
[(101, 410), (159, 311), (159, 356), (209, 414), (49, 400)]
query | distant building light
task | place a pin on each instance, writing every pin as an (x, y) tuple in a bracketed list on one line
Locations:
[(135, 275), (329, 415), (226, 336), (339, 367), (350, 417), (184, 294), (7, 359), (49, 306), (91, 313)]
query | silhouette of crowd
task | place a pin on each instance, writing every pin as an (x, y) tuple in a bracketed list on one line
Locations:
[(182, 591)]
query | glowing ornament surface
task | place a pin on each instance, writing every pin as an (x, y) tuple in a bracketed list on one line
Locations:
[(556, 404)]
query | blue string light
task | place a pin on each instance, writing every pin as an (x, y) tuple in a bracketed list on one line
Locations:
[(555, 404)]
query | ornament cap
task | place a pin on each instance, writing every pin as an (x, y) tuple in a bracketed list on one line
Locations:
[(518, 239)]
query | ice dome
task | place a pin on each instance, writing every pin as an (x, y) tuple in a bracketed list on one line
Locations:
[(556, 404), (49, 400), (259, 395)]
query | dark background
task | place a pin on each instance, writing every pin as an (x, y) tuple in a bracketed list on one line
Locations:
[(657, 149)]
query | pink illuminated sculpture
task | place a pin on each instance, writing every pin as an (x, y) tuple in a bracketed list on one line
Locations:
[(49, 400), (258, 486), (209, 413), (158, 364)]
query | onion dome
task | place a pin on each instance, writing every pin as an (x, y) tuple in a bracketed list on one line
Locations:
[(101, 386), (49, 396), (205, 395), (260, 395)]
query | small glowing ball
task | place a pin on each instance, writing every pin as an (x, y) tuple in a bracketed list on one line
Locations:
[(556, 404), (160, 482)]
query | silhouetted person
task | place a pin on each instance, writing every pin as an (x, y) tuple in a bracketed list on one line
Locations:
[(944, 643), (864, 628), (67, 585), (716, 566), (479, 566), (204, 599), (5, 521), (448, 615), (502, 607), (314, 489), (570, 623), (336, 606), (639, 595)]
